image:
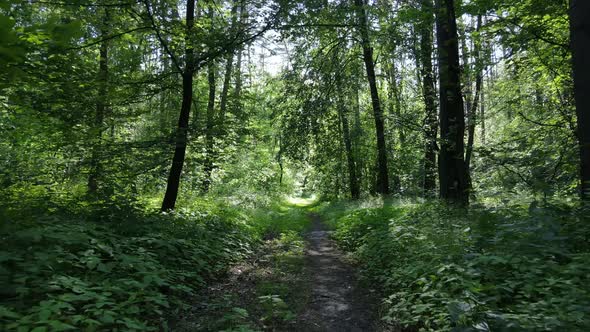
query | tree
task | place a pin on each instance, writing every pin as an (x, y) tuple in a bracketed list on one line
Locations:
[(382, 170), (452, 171), (187, 73), (210, 122), (343, 110), (95, 173), (429, 95), (472, 104), (580, 44)]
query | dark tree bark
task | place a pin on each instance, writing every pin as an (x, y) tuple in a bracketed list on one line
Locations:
[(580, 43), (95, 173), (382, 170), (173, 184), (429, 94), (453, 177)]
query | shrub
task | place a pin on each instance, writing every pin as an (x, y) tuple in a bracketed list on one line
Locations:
[(443, 269), (69, 272)]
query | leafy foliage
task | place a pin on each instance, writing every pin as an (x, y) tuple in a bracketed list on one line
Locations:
[(442, 269), (68, 272)]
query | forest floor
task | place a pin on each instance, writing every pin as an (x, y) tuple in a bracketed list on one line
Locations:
[(295, 282), (338, 302)]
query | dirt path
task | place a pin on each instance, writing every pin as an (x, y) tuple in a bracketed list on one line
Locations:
[(293, 283), (337, 302)]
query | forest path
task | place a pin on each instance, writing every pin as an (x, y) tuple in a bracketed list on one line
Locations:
[(297, 281), (337, 302)]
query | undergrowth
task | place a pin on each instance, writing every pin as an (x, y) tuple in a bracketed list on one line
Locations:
[(115, 267), (267, 291), (477, 269)]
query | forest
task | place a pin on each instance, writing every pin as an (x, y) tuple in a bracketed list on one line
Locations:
[(279, 165)]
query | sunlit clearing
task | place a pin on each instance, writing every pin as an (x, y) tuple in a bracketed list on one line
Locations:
[(302, 201)]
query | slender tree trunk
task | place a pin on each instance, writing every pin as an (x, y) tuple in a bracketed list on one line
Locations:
[(394, 104), (95, 174), (238, 88), (482, 115), (357, 133), (225, 88), (228, 68), (279, 159), (580, 43), (355, 192), (173, 184), (396, 95), (429, 95), (452, 171), (382, 171), (472, 110), (209, 129)]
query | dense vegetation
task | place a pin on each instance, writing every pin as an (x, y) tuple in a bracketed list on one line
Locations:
[(484, 269), (147, 146)]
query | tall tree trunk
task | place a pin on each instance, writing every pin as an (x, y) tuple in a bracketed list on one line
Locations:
[(210, 122), (382, 171), (452, 171), (472, 110), (209, 129), (228, 68), (355, 192), (580, 43), (482, 115), (394, 103), (357, 130), (429, 95), (238, 88), (173, 184), (95, 173)]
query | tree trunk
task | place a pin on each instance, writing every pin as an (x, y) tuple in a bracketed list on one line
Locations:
[(452, 171), (471, 116), (355, 192), (357, 131), (228, 68), (482, 116), (395, 112), (580, 43), (429, 94), (382, 171), (238, 88), (95, 173), (173, 184), (209, 129)]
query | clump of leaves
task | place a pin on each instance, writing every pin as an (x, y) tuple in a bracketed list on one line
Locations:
[(275, 310)]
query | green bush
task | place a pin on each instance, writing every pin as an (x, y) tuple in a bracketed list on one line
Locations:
[(70, 273), (446, 269)]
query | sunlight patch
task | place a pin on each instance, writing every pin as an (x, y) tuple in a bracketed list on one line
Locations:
[(302, 201)]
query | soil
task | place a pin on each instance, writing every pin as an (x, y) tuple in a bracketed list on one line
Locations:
[(338, 303)]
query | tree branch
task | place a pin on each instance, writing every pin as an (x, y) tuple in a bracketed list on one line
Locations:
[(174, 59)]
